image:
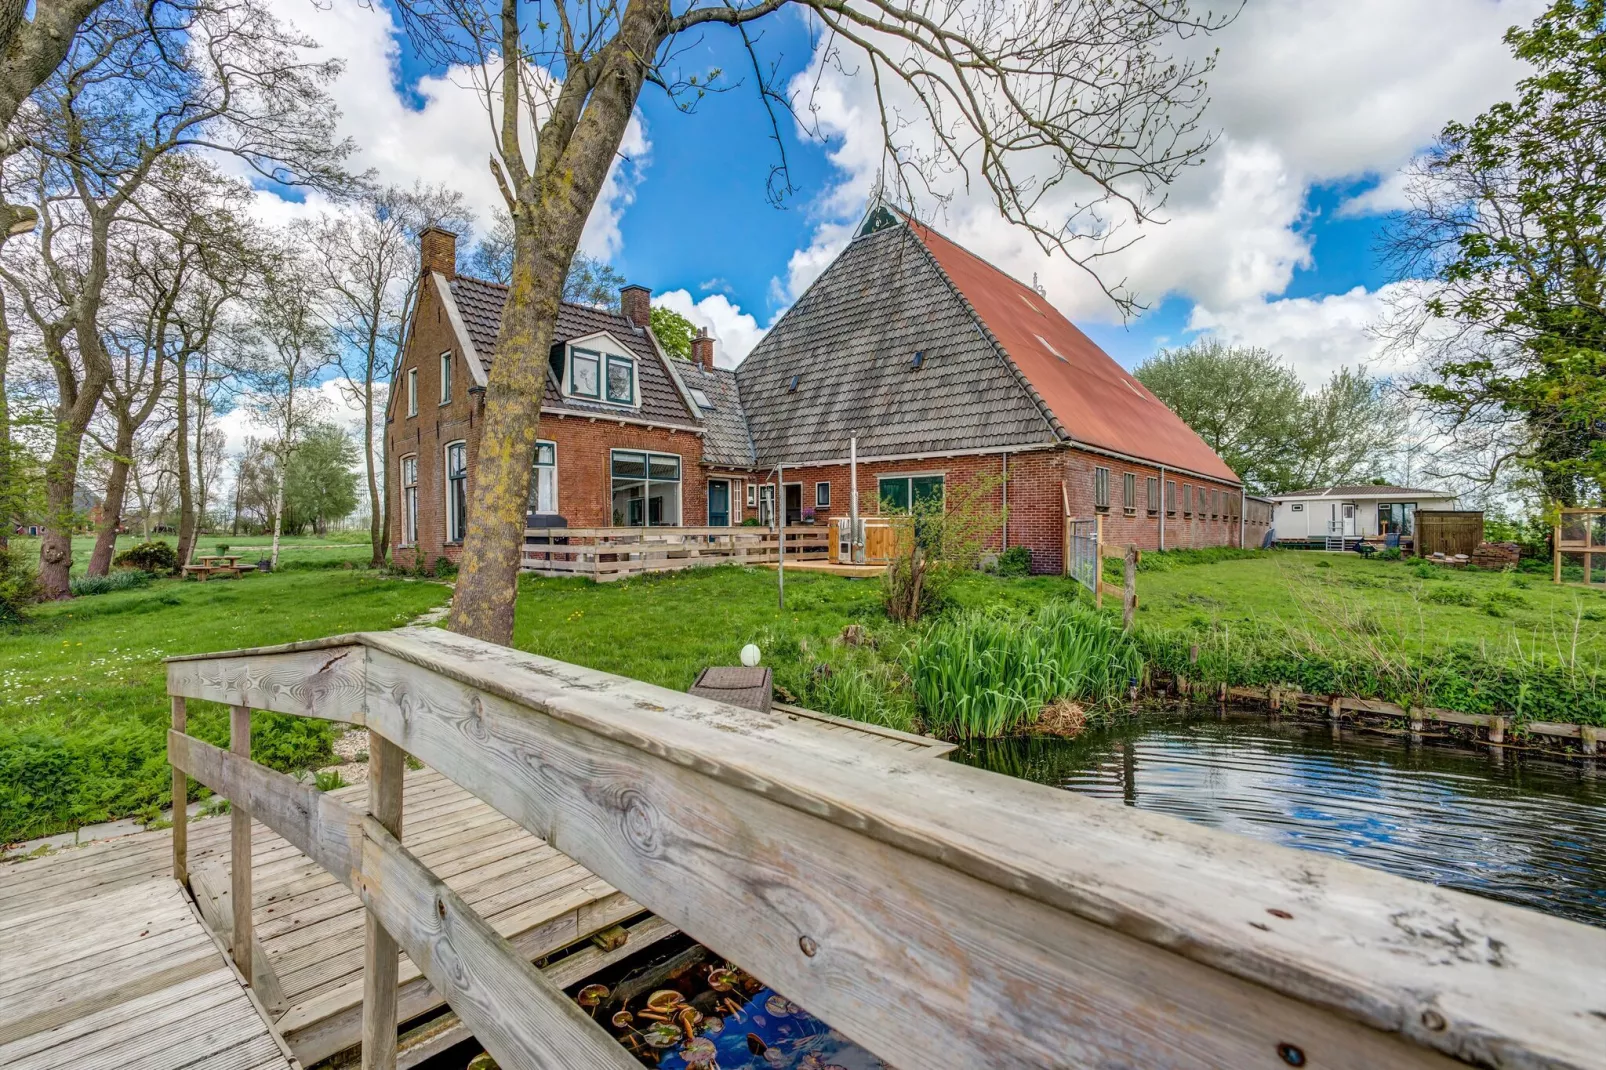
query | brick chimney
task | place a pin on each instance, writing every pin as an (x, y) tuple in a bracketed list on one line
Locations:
[(702, 349), (635, 303), (437, 251)]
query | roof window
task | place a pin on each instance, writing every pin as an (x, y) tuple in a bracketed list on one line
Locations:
[(918, 361), (791, 387), (698, 395), (1044, 342)]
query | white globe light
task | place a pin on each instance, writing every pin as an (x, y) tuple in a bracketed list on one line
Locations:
[(750, 655)]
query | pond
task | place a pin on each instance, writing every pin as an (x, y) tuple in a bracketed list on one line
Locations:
[(1520, 827)]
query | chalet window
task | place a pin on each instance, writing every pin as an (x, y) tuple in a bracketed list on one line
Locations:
[(1101, 489), (1153, 488), (544, 478), (898, 493), (446, 378), (646, 488), (1129, 493), (409, 478), (1170, 497), (585, 374), (412, 391), (1187, 500), (621, 380), (456, 491), (822, 495)]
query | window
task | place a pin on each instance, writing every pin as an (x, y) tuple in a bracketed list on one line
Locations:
[(719, 503), (646, 488), (822, 495), (1153, 487), (585, 374), (446, 378), (701, 398), (1187, 500), (918, 361), (409, 478), (1396, 518), (752, 495), (791, 387), (456, 492), (621, 380), (544, 478), (412, 391), (897, 493), (1101, 489), (1297, 507), (1129, 494), (1170, 497)]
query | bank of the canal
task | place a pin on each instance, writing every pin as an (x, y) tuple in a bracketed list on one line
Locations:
[(1526, 828)]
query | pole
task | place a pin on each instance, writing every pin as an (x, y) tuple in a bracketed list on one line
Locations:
[(855, 543), (1003, 542), (780, 536), (1163, 504)]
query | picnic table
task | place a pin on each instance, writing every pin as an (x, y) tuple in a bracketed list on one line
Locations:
[(209, 565)]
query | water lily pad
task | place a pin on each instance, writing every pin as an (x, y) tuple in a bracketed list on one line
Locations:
[(592, 995)]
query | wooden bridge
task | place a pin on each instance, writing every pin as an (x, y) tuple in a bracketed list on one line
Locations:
[(939, 915)]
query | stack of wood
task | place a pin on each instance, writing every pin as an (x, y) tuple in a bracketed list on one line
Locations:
[(1497, 555)]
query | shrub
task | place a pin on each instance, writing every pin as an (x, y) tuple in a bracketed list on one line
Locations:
[(18, 586), (126, 579), (1015, 561), (942, 538), (155, 556), (221, 548), (444, 568), (1389, 553)]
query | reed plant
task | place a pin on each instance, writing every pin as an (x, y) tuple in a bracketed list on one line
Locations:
[(984, 674)]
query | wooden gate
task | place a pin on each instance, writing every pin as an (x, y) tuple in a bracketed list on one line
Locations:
[(1448, 531)]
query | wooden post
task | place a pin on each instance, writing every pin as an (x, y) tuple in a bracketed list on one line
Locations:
[(385, 767), (1589, 738), (1333, 714), (1065, 502), (1129, 589), (1415, 714), (1555, 552), (240, 847), (181, 795), (1098, 561), (1497, 730)]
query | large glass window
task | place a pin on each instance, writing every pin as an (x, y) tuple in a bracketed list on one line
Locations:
[(646, 489), (456, 492), (585, 373), (409, 478), (898, 494), (1396, 518), (621, 380), (544, 478)]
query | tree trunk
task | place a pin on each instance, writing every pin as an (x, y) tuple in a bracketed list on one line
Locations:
[(61, 482), (186, 501), (100, 559), (376, 521), (278, 509), (8, 489)]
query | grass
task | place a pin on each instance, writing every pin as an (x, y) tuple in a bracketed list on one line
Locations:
[(83, 702), (299, 551)]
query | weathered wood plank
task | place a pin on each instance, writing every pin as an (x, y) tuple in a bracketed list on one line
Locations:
[(972, 902), (520, 1017), (181, 798), (241, 937), (309, 680), (385, 768)]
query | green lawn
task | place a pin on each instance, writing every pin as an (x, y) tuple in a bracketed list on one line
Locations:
[(295, 551), (83, 703)]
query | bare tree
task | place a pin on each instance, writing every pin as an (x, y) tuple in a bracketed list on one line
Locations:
[(1026, 99), (368, 262), (139, 83)]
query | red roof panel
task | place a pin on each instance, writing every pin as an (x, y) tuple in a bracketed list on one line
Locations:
[(1094, 398)]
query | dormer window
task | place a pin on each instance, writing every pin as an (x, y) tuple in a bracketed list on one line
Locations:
[(594, 373)]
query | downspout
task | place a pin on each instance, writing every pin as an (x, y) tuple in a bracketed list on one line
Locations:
[(1004, 542), (1162, 508), (855, 543), (1243, 521)]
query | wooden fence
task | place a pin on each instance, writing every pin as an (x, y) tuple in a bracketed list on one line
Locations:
[(1448, 531), (937, 914), (1580, 540), (605, 554)]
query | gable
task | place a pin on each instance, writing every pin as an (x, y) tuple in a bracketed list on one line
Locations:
[(1098, 402), (850, 343)]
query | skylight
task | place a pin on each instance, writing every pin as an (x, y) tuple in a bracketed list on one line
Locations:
[(918, 361), (1051, 349), (701, 398), (791, 388)]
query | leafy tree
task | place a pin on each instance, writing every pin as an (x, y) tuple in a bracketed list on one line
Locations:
[(673, 331), (1092, 98), (1507, 224), (1252, 409), (320, 486)]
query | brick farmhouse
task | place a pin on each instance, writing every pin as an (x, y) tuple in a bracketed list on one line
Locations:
[(944, 369)]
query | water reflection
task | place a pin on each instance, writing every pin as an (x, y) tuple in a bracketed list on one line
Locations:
[(1528, 830)]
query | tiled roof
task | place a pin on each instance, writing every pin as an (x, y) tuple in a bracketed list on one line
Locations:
[(1094, 399), (481, 302), (850, 341), (1363, 490), (726, 441)]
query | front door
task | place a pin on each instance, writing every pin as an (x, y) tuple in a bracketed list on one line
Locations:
[(719, 503), (1349, 519), (794, 503)]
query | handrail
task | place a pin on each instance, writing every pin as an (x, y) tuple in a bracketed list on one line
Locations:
[(937, 914)]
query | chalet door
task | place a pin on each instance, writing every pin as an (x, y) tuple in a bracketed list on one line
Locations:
[(1349, 519)]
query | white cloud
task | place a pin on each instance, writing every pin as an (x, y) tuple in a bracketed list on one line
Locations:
[(735, 332)]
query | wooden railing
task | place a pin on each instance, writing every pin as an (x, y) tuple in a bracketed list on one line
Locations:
[(1580, 536), (937, 914), (605, 554)]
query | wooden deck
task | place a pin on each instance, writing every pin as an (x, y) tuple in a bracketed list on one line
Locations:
[(308, 955), (119, 975)]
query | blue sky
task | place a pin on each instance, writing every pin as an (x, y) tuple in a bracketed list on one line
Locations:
[(1272, 242)]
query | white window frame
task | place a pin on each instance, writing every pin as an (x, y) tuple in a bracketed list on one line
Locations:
[(412, 391), (605, 356), (752, 495), (554, 466), (647, 484), (409, 497), (453, 521), (822, 494), (446, 377)]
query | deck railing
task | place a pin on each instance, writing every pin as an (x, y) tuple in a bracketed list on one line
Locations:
[(605, 554), (937, 914)]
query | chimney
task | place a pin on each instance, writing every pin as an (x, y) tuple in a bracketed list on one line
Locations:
[(702, 349), (635, 303), (437, 251)]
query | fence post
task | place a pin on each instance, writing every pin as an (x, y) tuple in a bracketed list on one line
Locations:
[(1129, 588), (240, 847), (379, 973), (181, 796)]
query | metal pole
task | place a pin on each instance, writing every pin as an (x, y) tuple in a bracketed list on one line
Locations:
[(780, 536), (855, 544)]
